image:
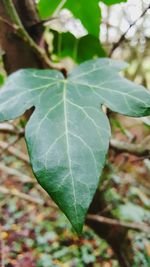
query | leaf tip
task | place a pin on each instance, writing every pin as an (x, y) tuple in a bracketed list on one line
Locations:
[(78, 228)]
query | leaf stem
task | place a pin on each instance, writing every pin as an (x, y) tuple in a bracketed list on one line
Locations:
[(130, 225)]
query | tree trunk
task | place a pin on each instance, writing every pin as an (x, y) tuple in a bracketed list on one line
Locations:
[(16, 53)]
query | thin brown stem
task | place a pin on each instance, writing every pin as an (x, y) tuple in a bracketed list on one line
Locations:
[(15, 192), (15, 152), (135, 226), (140, 150), (122, 38)]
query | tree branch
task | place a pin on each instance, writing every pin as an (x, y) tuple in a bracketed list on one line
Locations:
[(15, 152), (122, 38), (7, 128), (8, 23), (139, 150), (105, 220), (15, 192)]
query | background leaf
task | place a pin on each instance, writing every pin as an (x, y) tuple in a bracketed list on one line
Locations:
[(112, 2), (79, 9), (77, 48), (89, 14), (1, 79), (47, 7)]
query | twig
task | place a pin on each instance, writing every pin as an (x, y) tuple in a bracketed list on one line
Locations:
[(44, 22), (135, 226), (11, 144), (23, 177), (10, 129), (15, 152), (23, 196), (122, 38), (37, 201), (8, 23), (142, 149), (140, 159)]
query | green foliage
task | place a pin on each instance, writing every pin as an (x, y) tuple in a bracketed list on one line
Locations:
[(47, 7), (70, 46), (112, 2), (68, 134), (65, 44), (80, 10), (89, 14), (1, 79)]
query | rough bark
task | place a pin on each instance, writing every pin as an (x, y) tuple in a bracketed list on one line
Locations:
[(16, 53), (30, 19), (27, 12)]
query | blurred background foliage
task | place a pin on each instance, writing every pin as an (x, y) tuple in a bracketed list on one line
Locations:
[(39, 234)]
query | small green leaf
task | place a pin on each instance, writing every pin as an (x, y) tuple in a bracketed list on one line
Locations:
[(77, 48), (68, 133), (112, 2)]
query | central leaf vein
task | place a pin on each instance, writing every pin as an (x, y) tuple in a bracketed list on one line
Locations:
[(67, 143)]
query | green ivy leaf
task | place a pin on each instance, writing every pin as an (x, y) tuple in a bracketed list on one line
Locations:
[(77, 48), (112, 2), (68, 133)]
